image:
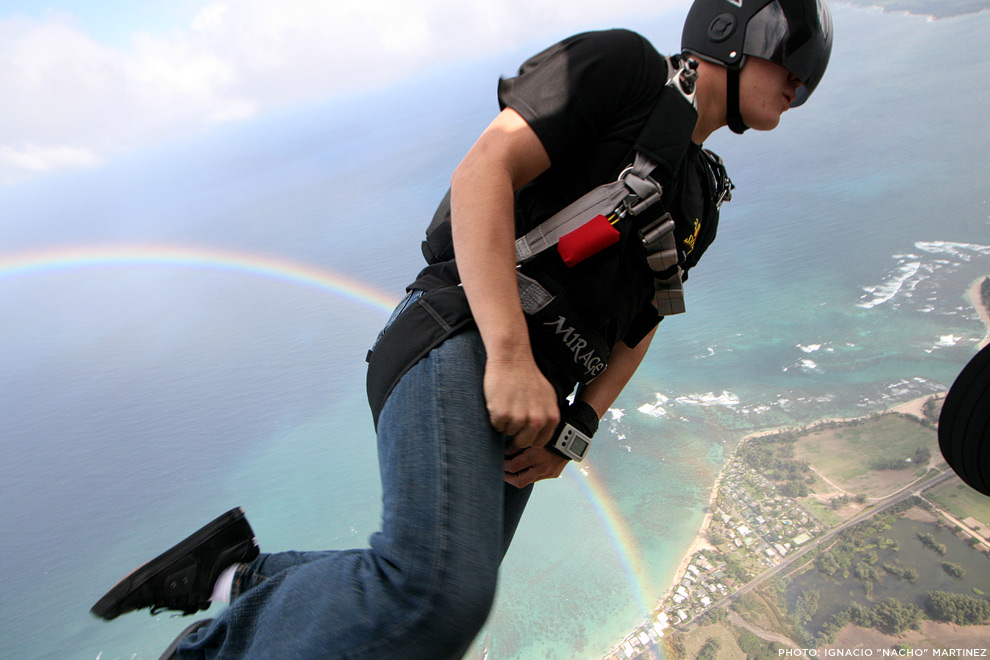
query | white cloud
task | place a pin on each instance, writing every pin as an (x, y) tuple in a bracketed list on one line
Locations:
[(32, 158), (70, 101)]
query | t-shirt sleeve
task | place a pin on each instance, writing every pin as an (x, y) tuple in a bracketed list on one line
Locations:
[(574, 92), (647, 319)]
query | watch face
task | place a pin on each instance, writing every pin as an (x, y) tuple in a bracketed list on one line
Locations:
[(578, 446), (572, 443)]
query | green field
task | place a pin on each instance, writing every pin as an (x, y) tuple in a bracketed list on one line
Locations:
[(961, 501), (817, 509), (848, 453)]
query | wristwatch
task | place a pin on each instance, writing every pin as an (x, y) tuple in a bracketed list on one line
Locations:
[(571, 443)]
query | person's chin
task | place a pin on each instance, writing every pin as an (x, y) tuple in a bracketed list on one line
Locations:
[(766, 122)]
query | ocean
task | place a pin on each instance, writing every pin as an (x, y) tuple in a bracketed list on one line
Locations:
[(184, 331)]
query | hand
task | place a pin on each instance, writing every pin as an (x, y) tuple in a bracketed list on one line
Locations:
[(521, 403), (531, 465)]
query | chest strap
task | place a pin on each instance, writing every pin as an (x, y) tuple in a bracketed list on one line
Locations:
[(636, 190), (632, 193)]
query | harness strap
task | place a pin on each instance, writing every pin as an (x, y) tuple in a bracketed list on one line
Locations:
[(659, 149), (635, 191), (669, 297), (532, 294), (661, 248), (556, 327), (662, 256), (632, 193)]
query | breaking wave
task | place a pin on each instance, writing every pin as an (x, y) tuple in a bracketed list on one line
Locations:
[(709, 399), (905, 278), (659, 408), (913, 269)]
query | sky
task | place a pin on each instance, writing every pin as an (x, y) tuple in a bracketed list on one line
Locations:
[(85, 80)]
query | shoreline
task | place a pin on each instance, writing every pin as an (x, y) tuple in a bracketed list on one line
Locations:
[(699, 543), (913, 408)]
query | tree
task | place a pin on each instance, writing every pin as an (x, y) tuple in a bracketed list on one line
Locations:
[(839, 501), (889, 464), (714, 615), (929, 540), (893, 617), (710, 650), (860, 616), (866, 572), (674, 647), (901, 572), (806, 606), (956, 608), (827, 564)]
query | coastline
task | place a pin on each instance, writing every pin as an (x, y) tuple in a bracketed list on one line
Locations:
[(700, 541), (914, 408)]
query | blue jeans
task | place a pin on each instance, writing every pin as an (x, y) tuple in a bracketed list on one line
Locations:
[(425, 586)]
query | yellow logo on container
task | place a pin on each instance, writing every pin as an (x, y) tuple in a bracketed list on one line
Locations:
[(693, 238)]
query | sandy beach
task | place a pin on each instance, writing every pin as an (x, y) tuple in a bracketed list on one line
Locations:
[(700, 543), (914, 408)]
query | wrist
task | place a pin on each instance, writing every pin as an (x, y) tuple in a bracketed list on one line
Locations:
[(584, 416), (572, 439), (509, 347)]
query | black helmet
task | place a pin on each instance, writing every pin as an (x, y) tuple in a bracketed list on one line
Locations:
[(796, 34)]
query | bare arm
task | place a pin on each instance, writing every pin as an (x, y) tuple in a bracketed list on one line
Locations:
[(521, 402), (534, 463), (603, 391)]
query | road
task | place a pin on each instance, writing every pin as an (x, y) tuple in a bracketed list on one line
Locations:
[(886, 503), (740, 622)]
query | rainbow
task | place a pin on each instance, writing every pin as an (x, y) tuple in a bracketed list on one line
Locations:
[(181, 256), (67, 258), (621, 538)]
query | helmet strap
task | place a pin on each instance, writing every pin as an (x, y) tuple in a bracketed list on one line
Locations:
[(733, 114)]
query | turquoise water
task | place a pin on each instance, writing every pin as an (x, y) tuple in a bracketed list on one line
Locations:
[(140, 399)]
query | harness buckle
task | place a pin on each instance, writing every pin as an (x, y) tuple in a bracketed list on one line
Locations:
[(723, 184), (643, 192), (684, 77), (661, 248)]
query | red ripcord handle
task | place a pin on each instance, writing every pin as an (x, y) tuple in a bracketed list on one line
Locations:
[(587, 240)]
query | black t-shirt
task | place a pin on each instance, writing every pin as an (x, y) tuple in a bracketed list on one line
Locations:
[(587, 99)]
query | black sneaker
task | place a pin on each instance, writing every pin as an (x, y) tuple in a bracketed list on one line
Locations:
[(170, 652), (182, 577)]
